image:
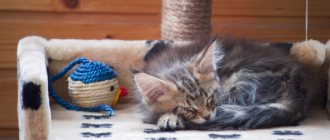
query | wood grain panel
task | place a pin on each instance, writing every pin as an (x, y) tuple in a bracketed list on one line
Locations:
[(98, 6), (319, 29), (8, 93), (220, 7), (9, 134), (267, 28), (319, 8), (258, 7), (16, 25), (273, 28), (8, 53), (59, 25), (283, 8)]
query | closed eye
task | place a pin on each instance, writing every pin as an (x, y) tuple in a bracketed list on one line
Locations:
[(210, 103), (190, 109)]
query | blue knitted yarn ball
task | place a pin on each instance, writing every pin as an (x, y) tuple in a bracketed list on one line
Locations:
[(92, 71)]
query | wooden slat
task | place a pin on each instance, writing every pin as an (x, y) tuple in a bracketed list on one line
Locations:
[(319, 29), (273, 28), (8, 104), (98, 6), (220, 7), (9, 133), (283, 8), (319, 8), (15, 25), (8, 58), (258, 7)]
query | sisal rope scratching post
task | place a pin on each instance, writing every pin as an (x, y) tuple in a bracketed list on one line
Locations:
[(185, 19)]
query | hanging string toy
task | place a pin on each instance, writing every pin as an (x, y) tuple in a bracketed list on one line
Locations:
[(92, 86)]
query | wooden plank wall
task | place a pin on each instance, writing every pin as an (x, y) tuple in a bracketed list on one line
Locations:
[(274, 20)]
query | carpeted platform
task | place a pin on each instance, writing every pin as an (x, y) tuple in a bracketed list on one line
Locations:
[(126, 125), (39, 57)]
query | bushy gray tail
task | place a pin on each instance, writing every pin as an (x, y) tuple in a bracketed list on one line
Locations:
[(250, 117)]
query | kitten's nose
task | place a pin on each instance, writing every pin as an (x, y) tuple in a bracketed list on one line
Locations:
[(205, 114)]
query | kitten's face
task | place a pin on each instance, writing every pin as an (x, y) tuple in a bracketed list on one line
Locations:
[(185, 89), (197, 103), (186, 96)]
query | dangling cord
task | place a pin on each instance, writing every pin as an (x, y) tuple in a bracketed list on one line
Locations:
[(306, 20)]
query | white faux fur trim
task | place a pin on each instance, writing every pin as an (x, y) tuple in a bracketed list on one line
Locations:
[(33, 124)]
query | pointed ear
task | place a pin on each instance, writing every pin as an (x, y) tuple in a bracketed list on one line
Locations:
[(152, 88), (206, 60)]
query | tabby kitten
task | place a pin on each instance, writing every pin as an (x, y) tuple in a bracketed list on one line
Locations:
[(221, 84)]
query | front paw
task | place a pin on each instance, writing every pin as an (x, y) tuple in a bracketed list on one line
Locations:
[(170, 122)]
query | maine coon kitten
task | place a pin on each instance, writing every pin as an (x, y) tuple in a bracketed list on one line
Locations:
[(225, 84)]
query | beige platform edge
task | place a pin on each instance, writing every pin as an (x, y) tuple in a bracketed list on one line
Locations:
[(33, 54)]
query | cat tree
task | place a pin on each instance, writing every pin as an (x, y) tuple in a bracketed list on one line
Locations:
[(185, 19), (39, 120)]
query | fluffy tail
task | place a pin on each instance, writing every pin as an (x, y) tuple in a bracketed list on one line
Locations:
[(251, 117)]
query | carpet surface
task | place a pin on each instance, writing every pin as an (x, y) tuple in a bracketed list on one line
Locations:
[(127, 125)]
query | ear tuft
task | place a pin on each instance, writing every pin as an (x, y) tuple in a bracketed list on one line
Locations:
[(207, 62), (151, 87)]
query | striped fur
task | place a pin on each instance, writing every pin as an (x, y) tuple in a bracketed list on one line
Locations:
[(225, 84)]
